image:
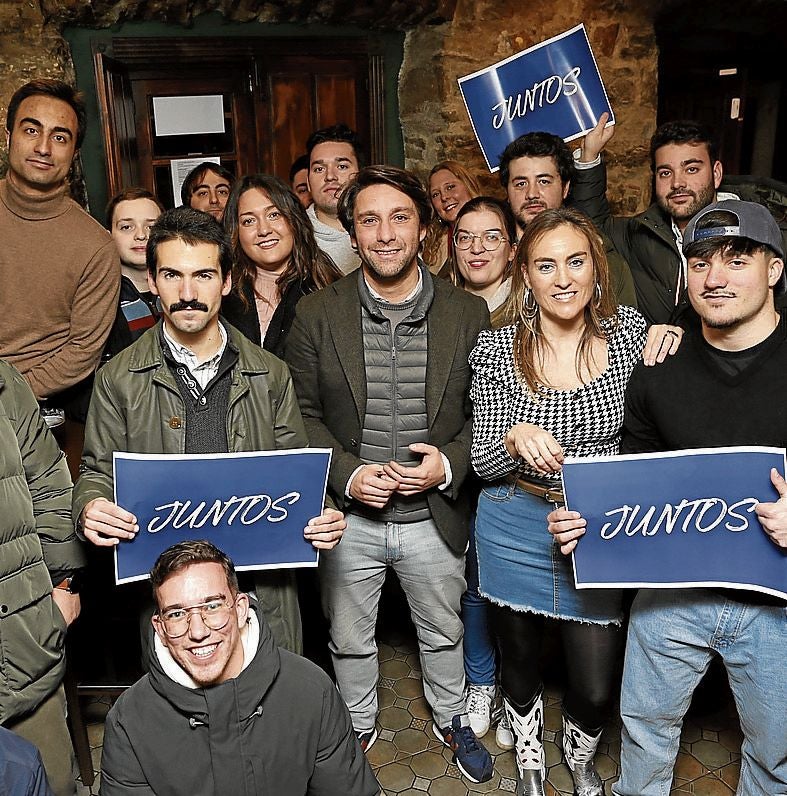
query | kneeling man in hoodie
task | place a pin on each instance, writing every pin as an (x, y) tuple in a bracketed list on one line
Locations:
[(223, 710)]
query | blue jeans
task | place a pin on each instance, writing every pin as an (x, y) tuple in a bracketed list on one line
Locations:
[(673, 634), (432, 578), (479, 650)]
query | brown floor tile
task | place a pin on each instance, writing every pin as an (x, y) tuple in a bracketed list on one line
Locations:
[(428, 765), (394, 719), (409, 688), (712, 754), (447, 786), (688, 767), (384, 652), (419, 708), (396, 777), (730, 774), (411, 741), (382, 753), (711, 786), (394, 669)]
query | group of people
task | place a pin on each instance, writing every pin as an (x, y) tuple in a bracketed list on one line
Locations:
[(451, 349)]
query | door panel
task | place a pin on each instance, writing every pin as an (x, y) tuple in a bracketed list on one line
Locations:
[(273, 100), (116, 104)]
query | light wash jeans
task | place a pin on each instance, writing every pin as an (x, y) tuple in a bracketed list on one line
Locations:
[(432, 577), (673, 634)]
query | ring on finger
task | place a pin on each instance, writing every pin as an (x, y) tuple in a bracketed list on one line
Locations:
[(674, 334)]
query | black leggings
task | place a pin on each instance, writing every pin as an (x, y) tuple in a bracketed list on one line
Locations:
[(591, 653)]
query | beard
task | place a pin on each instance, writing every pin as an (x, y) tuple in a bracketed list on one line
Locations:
[(701, 199)]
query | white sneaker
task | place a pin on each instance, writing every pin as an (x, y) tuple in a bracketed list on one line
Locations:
[(479, 707), (504, 738)]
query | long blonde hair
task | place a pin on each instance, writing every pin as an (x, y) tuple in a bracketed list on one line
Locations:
[(522, 310), (438, 228)]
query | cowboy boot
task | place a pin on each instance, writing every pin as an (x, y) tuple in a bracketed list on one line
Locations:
[(527, 725), (579, 748)]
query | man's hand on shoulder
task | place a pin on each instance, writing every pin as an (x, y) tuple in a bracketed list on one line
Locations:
[(412, 480), (325, 531), (773, 516), (105, 523)]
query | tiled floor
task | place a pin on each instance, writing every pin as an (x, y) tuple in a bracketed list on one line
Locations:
[(409, 760)]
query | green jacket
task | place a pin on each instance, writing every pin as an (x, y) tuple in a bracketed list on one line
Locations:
[(137, 408), (36, 539), (645, 241)]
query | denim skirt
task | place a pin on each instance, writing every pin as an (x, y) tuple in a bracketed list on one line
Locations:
[(521, 566)]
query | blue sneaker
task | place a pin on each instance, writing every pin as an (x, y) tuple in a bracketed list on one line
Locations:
[(471, 758)]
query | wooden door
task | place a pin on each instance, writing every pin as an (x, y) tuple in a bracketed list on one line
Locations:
[(118, 124), (235, 147), (272, 99)]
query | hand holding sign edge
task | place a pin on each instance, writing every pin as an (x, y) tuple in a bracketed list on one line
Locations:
[(566, 527), (773, 516)]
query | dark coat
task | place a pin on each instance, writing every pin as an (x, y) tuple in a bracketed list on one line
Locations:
[(37, 544), (279, 728), (645, 242), (326, 359), (245, 319)]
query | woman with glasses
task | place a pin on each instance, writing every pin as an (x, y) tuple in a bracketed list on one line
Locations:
[(450, 186), (483, 252), (277, 260), (548, 386)]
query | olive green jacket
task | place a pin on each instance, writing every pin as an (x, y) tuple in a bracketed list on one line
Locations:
[(36, 539), (137, 408)]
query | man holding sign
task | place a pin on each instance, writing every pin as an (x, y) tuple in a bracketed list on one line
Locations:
[(193, 385), (722, 388)]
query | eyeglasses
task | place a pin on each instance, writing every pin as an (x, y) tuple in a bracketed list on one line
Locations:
[(214, 614), (489, 240)]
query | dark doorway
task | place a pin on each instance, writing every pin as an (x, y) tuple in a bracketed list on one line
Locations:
[(721, 63)]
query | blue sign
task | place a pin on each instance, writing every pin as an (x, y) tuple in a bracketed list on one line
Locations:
[(553, 87), (684, 518), (253, 506)]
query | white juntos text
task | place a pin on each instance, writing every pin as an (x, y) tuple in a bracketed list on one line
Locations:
[(547, 91), (246, 510)]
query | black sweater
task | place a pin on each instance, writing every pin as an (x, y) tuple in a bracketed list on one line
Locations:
[(689, 401), (692, 401)]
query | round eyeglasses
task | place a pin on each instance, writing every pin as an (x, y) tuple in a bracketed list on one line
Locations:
[(489, 240), (214, 614)]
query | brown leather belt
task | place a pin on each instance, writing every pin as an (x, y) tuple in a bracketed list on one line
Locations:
[(552, 494)]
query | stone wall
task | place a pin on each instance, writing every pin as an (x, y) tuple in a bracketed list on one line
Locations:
[(434, 119)]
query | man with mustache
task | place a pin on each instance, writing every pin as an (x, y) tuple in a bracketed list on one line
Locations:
[(193, 385), (686, 176), (722, 388), (536, 171)]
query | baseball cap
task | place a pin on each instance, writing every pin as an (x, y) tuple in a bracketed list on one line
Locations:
[(754, 221)]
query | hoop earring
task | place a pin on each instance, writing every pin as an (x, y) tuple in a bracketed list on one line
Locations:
[(597, 293), (530, 305)]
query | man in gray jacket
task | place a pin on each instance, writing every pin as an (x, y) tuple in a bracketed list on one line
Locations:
[(379, 362), (193, 385), (223, 711)]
